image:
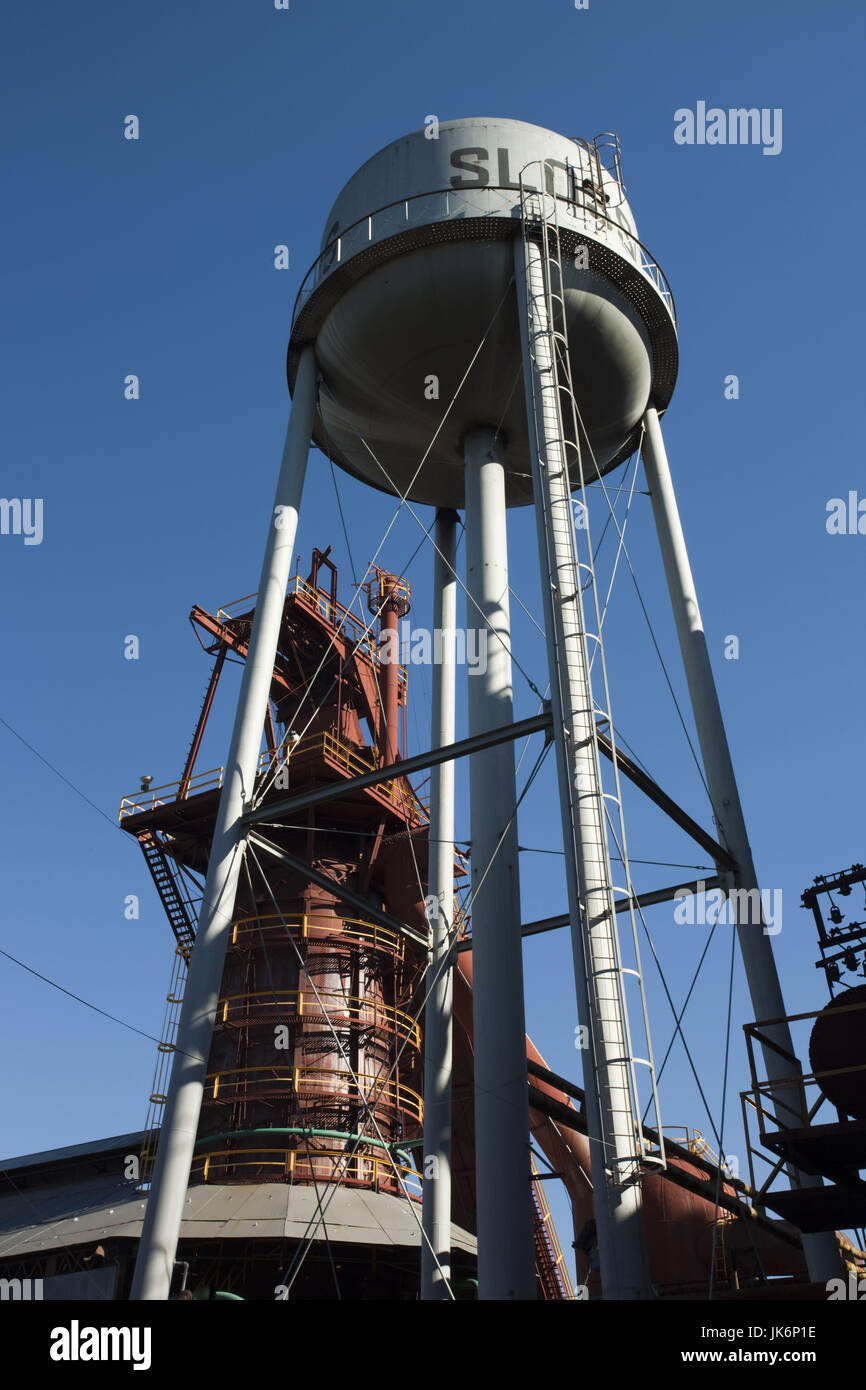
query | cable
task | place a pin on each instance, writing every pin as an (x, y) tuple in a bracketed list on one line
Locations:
[(645, 613), (264, 947), (267, 780), (371, 1117), (402, 497), (446, 961), (682, 1011), (722, 1120), (355, 834), (427, 533), (78, 792), (86, 1002), (530, 779), (343, 521), (669, 998), (658, 863), (619, 551), (444, 965), (306, 1140)]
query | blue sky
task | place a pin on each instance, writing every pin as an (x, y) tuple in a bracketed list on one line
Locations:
[(155, 257)]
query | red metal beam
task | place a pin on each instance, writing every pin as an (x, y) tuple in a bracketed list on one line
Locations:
[(202, 721)]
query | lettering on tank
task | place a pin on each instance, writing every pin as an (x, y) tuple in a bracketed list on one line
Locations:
[(474, 160)]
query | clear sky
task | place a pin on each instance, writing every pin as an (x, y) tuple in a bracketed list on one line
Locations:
[(155, 257)]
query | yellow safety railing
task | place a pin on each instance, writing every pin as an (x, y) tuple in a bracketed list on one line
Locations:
[(384, 586), (381, 938), (163, 796), (359, 633), (166, 794), (302, 588), (369, 1169), (692, 1140), (230, 1084), (354, 762), (552, 1236), (371, 1012)]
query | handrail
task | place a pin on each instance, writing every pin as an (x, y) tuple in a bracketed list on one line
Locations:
[(639, 254), (324, 605), (755, 1027), (151, 799), (694, 1141), (353, 759), (392, 1093), (306, 1001), (379, 937), (766, 1098), (549, 1225), (295, 1158)]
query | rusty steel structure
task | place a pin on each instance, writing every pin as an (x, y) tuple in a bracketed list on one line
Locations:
[(298, 963), (318, 1031)]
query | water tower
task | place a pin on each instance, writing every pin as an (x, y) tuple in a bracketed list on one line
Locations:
[(483, 329)]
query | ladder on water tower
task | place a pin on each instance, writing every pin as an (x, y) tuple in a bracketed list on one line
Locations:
[(589, 182), (557, 416)]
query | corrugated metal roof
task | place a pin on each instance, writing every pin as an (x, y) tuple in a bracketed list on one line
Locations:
[(217, 1212), (132, 1142)]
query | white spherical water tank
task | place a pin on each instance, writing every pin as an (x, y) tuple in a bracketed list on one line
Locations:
[(417, 266)]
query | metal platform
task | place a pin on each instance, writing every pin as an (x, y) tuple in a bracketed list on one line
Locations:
[(833, 1149), (813, 1209)]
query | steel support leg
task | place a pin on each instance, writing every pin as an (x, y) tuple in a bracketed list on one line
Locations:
[(821, 1250), (161, 1229), (436, 1193), (506, 1266), (615, 1145)]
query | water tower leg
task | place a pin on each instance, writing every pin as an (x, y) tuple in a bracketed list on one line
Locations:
[(612, 1124), (161, 1229), (436, 1192), (822, 1253), (506, 1263)]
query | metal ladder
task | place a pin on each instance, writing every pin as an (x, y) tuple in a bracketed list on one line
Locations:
[(174, 899), (559, 418), (598, 187), (165, 1054)]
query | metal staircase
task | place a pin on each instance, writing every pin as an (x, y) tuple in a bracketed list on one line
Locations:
[(550, 1267), (173, 897), (181, 915)]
